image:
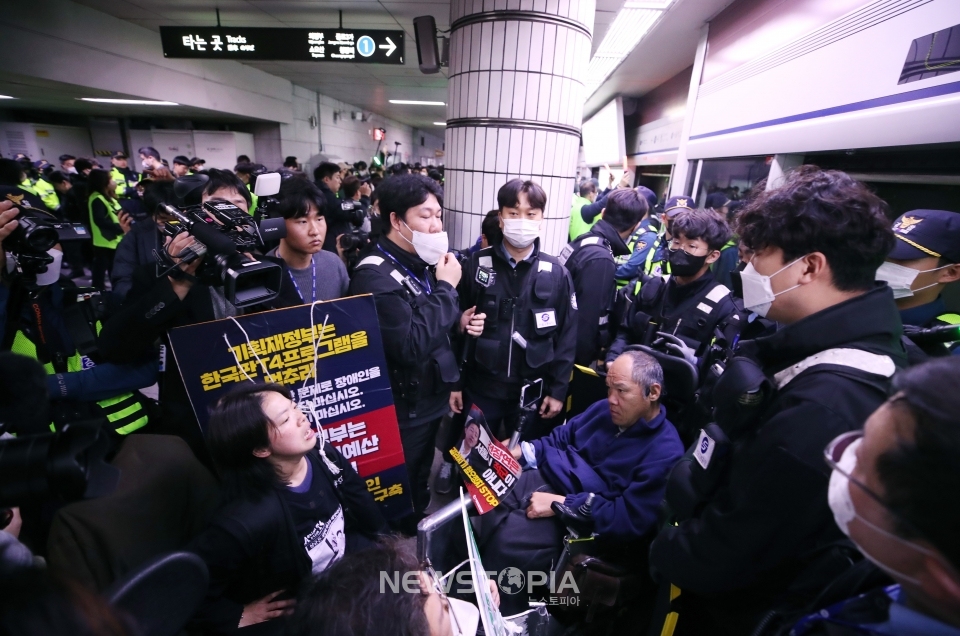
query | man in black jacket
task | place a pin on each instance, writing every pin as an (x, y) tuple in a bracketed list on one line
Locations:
[(342, 216), (818, 241), (413, 279), (590, 260)]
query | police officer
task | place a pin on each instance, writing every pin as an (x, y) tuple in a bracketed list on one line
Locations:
[(586, 194), (590, 261), (51, 320), (521, 306), (685, 308), (413, 280), (45, 188), (640, 242), (122, 174), (924, 260)]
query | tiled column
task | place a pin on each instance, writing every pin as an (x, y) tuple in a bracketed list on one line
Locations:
[(515, 107)]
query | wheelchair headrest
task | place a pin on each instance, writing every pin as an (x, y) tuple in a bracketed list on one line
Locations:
[(680, 378)]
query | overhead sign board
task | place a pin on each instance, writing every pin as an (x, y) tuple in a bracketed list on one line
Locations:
[(366, 46)]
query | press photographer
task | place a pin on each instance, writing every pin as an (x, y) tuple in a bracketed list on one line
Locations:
[(197, 278)]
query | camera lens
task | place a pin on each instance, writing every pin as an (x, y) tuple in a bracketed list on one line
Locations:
[(37, 237)]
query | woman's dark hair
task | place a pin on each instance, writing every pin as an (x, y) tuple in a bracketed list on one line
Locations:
[(350, 186), (237, 427), (491, 228), (157, 193), (350, 598), (703, 225), (624, 209), (98, 180), (296, 195), (399, 193), (509, 194), (824, 211), (225, 179), (921, 479)]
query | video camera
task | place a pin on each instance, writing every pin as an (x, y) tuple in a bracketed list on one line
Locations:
[(351, 243), (228, 237), (37, 231)]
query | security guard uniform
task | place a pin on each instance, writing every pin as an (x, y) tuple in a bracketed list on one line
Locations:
[(691, 312), (529, 332), (125, 179), (590, 261), (59, 328), (417, 314)]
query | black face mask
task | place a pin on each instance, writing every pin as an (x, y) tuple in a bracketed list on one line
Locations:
[(683, 264)]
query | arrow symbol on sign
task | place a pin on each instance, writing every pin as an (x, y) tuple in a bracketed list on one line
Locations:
[(390, 46)]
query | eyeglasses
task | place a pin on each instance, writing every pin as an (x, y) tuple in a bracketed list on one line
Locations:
[(675, 245)]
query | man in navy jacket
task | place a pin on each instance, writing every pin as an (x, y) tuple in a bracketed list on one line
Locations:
[(620, 450)]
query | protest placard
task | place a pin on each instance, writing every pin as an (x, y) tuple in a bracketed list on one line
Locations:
[(488, 469), (330, 357)]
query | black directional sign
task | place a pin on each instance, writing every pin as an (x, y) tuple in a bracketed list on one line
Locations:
[(311, 45)]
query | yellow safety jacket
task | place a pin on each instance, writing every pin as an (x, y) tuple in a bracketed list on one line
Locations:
[(124, 412), (47, 193), (112, 208)]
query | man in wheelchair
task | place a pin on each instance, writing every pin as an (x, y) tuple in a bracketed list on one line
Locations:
[(600, 475)]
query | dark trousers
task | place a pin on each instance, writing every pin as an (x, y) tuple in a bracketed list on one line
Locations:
[(418, 444), (102, 265), (507, 538)]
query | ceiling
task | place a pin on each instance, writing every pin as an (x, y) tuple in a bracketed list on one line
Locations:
[(367, 86), (668, 48)]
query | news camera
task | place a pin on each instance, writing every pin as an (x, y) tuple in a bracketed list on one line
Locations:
[(226, 238), (37, 231), (351, 243)]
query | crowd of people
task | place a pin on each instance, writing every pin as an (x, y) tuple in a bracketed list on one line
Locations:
[(775, 449)]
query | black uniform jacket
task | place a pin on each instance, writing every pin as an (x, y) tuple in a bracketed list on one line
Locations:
[(747, 545)]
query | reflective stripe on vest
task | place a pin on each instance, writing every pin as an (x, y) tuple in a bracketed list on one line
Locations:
[(121, 180), (112, 208), (27, 186), (124, 412)]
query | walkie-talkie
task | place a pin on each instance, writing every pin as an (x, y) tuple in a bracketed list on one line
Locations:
[(485, 277)]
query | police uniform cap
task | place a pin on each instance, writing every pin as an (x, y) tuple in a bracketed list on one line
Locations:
[(119, 155), (926, 233), (676, 205)]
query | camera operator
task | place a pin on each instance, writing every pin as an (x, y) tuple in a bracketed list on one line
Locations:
[(818, 240), (138, 245), (157, 302), (343, 216), (315, 274), (413, 279), (48, 320)]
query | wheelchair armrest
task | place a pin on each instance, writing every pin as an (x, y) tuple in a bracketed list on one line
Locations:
[(577, 524)]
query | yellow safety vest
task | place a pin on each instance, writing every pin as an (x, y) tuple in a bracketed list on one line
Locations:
[(112, 208), (121, 180), (578, 226), (47, 194), (27, 186), (124, 411), (253, 201)]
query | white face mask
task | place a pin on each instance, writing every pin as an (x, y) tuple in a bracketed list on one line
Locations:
[(757, 292), (521, 233), (429, 247), (900, 278), (72, 170), (841, 503)]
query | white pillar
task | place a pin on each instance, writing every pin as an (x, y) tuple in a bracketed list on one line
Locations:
[(515, 107)]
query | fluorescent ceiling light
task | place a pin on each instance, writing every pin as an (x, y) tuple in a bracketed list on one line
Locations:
[(413, 102), (143, 102), (7, 97), (632, 22), (439, 123)]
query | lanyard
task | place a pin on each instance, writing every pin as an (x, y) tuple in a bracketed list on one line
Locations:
[(313, 276), (423, 283)]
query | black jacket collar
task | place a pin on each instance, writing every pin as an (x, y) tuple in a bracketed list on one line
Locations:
[(499, 251), (604, 230), (869, 322)]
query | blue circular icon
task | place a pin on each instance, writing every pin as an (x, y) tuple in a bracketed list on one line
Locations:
[(366, 46)]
